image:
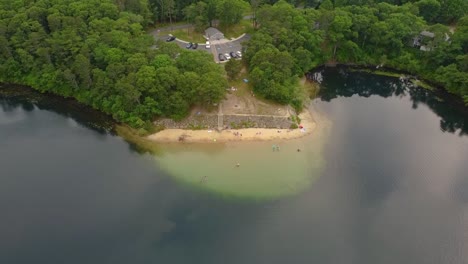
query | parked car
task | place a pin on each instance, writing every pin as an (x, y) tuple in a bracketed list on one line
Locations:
[(221, 57), (227, 56), (239, 54), (233, 54), (189, 45), (207, 45), (170, 38), (195, 46)]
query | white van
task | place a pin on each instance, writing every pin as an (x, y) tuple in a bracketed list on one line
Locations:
[(207, 45)]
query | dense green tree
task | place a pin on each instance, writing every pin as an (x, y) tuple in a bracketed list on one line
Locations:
[(97, 52), (339, 30), (254, 5), (429, 9), (373, 34), (326, 5), (452, 10), (230, 12), (212, 90), (272, 74), (212, 10), (233, 68), (196, 14), (454, 80)]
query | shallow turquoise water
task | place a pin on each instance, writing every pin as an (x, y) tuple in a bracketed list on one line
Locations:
[(262, 173)]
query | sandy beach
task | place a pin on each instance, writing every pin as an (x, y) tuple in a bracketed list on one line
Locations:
[(229, 135)]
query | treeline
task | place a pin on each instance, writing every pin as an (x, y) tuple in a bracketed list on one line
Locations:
[(200, 13), (433, 11), (97, 52), (291, 41)]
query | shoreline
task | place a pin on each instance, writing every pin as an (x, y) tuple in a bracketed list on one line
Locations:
[(384, 70), (235, 135)]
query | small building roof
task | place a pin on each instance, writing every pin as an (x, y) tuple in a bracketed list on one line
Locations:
[(427, 34), (213, 33), (425, 48)]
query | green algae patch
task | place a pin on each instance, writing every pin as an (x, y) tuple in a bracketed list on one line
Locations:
[(387, 73), (378, 72), (422, 84), (248, 170)]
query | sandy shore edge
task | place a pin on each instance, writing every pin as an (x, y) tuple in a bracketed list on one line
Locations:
[(246, 134)]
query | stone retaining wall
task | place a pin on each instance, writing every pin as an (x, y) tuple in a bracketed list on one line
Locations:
[(237, 121), (230, 121), (193, 122)]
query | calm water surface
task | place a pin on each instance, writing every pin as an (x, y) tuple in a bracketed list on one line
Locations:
[(394, 189)]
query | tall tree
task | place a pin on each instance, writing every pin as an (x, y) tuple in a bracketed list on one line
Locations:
[(230, 12), (233, 68)]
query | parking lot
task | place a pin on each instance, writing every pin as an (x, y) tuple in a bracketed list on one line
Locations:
[(181, 43), (224, 46), (217, 46)]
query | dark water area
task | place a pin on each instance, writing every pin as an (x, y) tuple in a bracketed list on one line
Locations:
[(26, 98), (394, 190)]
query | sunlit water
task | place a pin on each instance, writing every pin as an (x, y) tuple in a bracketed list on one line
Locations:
[(392, 188)]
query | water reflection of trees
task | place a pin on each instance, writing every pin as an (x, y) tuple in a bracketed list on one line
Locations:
[(14, 97), (342, 83)]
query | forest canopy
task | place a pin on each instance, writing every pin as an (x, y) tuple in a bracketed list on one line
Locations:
[(291, 41), (98, 52)]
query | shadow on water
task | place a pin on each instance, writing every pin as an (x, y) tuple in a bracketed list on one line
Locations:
[(13, 97), (453, 114), (16, 96)]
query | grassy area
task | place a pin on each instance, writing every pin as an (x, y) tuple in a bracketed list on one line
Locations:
[(244, 92), (189, 35), (163, 25), (244, 26), (243, 89)]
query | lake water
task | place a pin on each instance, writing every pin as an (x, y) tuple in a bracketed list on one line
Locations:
[(388, 183)]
